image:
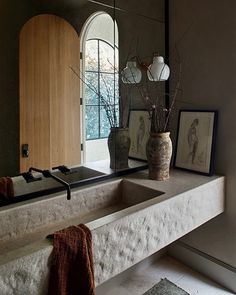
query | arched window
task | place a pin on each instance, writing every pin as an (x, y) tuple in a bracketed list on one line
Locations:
[(100, 61)]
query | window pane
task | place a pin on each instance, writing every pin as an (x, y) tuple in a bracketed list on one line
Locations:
[(92, 122), (91, 89), (117, 88), (110, 114), (91, 55), (107, 87), (105, 126), (116, 59), (106, 55), (101, 77)]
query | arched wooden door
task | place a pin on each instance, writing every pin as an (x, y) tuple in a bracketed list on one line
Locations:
[(49, 93)]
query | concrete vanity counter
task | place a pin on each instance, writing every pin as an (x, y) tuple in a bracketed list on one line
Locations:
[(150, 216)]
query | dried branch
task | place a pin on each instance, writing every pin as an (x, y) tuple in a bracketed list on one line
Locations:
[(110, 108)]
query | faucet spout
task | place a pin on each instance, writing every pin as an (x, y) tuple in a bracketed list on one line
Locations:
[(48, 174)]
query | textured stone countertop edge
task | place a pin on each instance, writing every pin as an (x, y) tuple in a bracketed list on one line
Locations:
[(46, 244)]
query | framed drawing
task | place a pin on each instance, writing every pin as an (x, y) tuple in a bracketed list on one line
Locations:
[(196, 141), (139, 128)]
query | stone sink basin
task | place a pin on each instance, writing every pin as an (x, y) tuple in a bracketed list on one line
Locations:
[(33, 220), (130, 219)]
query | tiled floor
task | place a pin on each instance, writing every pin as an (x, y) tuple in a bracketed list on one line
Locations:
[(167, 267)]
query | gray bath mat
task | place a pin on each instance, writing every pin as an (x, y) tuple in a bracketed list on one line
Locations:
[(165, 287)]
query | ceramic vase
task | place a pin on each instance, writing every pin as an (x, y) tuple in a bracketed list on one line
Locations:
[(118, 145), (159, 152)]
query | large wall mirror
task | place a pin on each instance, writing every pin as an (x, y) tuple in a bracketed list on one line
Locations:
[(57, 85)]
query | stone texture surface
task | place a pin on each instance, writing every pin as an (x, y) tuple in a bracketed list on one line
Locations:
[(24, 218), (122, 243), (28, 275), (20, 221), (122, 239)]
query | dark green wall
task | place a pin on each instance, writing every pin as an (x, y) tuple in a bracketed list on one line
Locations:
[(12, 17)]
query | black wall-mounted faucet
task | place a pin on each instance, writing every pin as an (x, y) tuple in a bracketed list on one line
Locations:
[(63, 169), (29, 177), (47, 174)]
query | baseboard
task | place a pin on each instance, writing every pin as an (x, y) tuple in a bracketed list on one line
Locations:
[(213, 268)]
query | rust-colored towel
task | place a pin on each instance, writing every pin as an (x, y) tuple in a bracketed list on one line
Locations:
[(72, 262), (6, 187)]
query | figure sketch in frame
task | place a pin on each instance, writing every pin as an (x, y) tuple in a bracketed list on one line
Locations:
[(139, 126), (193, 141)]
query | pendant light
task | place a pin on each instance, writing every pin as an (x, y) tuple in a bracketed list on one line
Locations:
[(131, 74), (158, 70)]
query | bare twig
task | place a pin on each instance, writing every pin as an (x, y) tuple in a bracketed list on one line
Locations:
[(110, 108)]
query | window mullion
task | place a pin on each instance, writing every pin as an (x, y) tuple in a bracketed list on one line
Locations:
[(99, 91)]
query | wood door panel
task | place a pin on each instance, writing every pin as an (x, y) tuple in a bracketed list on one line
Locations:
[(49, 93), (34, 93)]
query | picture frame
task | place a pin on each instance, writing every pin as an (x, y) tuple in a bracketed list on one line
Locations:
[(195, 144), (139, 129)]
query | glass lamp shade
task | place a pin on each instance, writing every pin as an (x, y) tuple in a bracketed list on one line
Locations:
[(131, 74), (158, 70)]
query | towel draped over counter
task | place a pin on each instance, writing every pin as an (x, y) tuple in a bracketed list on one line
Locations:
[(6, 188), (72, 270)]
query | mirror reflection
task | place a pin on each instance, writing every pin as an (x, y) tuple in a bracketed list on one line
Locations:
[(61, 91)]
